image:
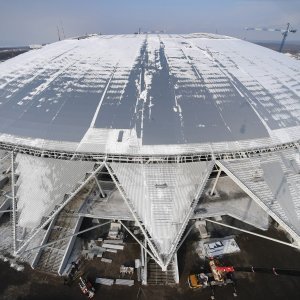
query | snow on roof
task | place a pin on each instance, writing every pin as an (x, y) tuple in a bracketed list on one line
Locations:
[(162, 196), (42, 184), (274, 179), (167, 93)]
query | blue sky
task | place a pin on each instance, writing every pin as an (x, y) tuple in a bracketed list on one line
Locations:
[(24, 22)]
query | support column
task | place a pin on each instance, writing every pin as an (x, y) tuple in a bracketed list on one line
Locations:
[(99, 187), (145, 268), (14, 204), (176, 271), (216, 181)]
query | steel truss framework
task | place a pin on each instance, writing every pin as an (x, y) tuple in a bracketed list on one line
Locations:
[(93, 175), (188, 216), (136, 218), (165, 259), (66, 199), (291, 232), (90, 176), (104, 161), (181, 158)]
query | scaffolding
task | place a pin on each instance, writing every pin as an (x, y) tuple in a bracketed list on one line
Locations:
[(287, 157)]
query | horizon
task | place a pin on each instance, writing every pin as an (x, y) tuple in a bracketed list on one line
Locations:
[(287, 42), (36, 22)]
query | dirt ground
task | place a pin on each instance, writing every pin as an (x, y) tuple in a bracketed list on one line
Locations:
[(32, 285)]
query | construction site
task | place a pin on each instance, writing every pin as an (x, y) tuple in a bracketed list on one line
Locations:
[(169, 161)]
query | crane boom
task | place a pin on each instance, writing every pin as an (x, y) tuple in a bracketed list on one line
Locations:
[(284, 32), (264, 29)]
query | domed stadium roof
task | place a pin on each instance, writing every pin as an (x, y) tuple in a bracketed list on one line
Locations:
[(150, 94)]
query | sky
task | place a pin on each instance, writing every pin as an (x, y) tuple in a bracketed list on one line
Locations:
[(24, 22)]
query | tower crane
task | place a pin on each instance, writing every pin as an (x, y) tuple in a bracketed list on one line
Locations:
[(284, 32)]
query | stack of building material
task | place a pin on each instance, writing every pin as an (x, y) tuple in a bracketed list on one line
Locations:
[(113, 241), (111, 250), (114, 231), (112, 246), (127, 282), (201, 226), (126, 270), (106, 260), (105, 281), (93, 250)]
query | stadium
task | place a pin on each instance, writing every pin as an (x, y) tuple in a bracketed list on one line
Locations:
[(165, 129)]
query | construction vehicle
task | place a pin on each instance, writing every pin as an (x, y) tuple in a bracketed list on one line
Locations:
[(224, 275), (218, 276), (197, 281), (86, 288)]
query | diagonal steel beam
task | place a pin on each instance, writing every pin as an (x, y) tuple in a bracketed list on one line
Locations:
[(5, 156), (128, 230), (288, 229), (66, 237), (122, 192), (59, 209), (189, 214), (254, 233)]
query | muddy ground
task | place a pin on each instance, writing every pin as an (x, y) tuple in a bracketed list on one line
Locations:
[(32, 285)]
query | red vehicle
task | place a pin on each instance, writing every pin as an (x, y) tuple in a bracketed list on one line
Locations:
[(86, 288), (222, 275), (217, 276)]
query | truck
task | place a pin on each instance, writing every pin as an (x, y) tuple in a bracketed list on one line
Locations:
[(86, 288), (224, 275)]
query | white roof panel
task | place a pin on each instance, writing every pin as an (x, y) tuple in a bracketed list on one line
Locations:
[(162, 195), (169, 94), (43, 183), (274, 179)]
